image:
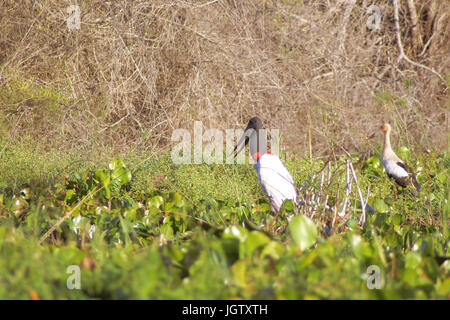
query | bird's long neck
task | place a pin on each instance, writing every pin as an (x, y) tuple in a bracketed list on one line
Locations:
[(258, 144), (387, 150)]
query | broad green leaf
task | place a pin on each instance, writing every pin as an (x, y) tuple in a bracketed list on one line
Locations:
[(121, 176), (115, 164), (403, 152), (397, 219), (372, 163), (442, 177), (69, 194), (261, 207), (380, 205), (156, 202), (103, 177), (303, 231), (236, 232), (175, 197), (254, 240), (360, 248), (107, 192), (26, 193), (287, 206), (274, 249), (412, 260)]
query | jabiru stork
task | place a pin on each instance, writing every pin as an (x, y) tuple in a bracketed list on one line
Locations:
[(276, 181), (395, 168)]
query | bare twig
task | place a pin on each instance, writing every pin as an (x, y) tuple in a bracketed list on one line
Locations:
[(362, 219), (402, 52), (415, 34), (347, 13), (348, 189)]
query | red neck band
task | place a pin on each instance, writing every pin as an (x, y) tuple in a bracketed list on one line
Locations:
[(257, 155)]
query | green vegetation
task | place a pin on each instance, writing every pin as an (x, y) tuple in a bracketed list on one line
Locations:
[(87, 115), (164, 231)]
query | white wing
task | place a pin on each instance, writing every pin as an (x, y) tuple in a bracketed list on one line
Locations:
[(393, 169), (276, 181)]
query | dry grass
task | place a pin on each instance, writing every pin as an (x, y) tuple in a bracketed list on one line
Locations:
[(136, 70)]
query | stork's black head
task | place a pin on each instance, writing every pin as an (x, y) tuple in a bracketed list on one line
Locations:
[(256, 135), (254, 123)]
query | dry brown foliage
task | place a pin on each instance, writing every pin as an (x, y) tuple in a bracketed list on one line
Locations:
[(137, 70)]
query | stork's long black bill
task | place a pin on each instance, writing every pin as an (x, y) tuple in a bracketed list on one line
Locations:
[(243, 140)]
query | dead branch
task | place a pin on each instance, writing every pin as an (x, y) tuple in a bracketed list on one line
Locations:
[(402, 52), (415, 32)]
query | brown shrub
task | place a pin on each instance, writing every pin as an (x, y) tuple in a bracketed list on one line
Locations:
[(136, 70)]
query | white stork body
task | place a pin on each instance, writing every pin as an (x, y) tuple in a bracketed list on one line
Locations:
[(394, 170), (276, 181)]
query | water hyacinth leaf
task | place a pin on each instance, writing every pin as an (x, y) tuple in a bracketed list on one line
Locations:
[(397, 219), (121, 176), (254, 240), (392, 238), (103, 177), (373, 165), (374, 162), (262, 207), (239, 271), (20, 206), (381, 220), (442, 177), (380, 205), (403, 152), (303, 231), (175, 198), (231, 248), (115, 164), (167, 231), (274, 249), (156, 202), (25, 193), (69, 194), (361, 249), (167, 206), (235, 232), (287, 207), (107, 192), (412, 260)]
